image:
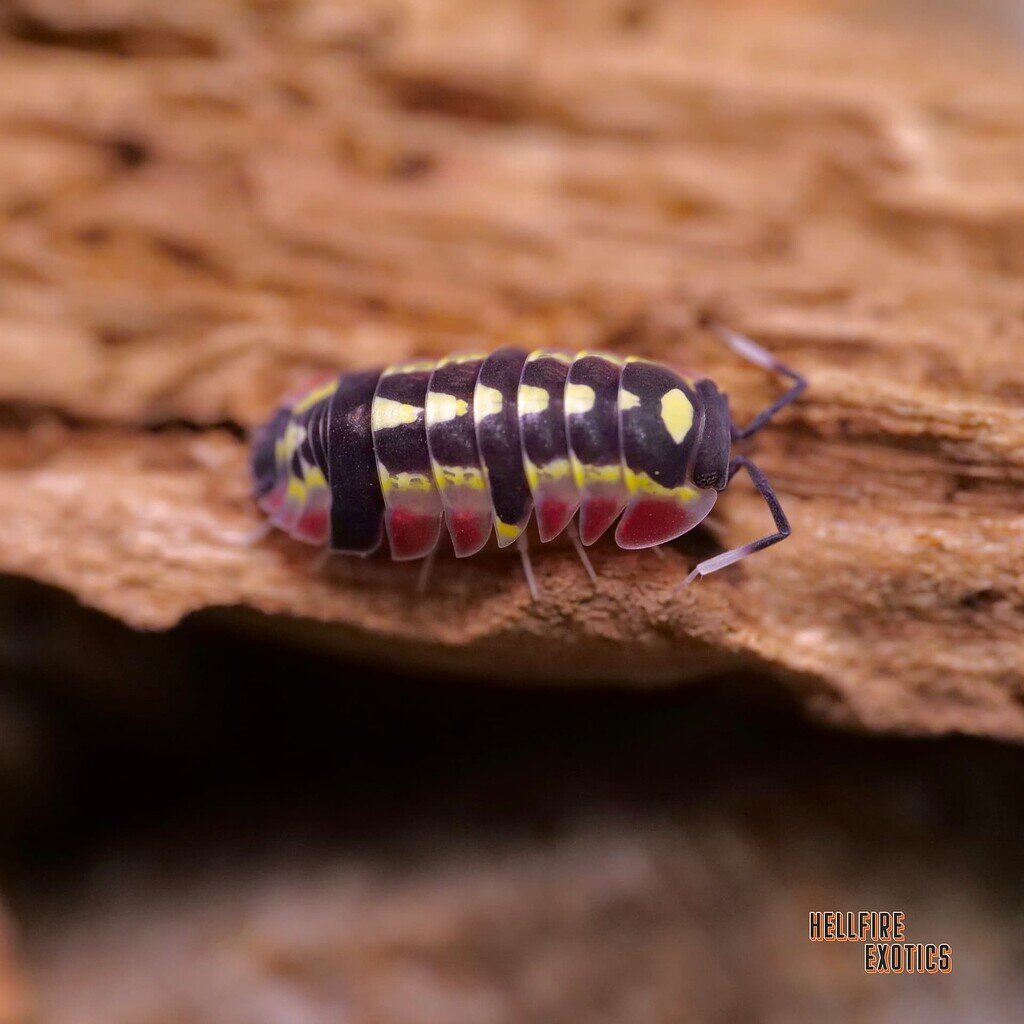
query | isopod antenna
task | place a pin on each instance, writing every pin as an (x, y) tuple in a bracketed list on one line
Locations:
[(748, 349), (754, 353), (782, 528)]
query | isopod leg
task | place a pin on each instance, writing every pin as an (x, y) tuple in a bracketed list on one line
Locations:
[(782, 528), (581, 551), (423, 577), (754, 353), (524, 554)]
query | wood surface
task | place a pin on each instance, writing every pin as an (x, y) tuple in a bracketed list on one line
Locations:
[(202, 203)]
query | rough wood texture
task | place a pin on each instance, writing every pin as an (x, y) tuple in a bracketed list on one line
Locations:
[(201, 203)]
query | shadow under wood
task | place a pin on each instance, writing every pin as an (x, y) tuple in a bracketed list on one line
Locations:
[(224, 798)]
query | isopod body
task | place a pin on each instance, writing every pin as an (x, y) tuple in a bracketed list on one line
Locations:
[(479, 443)]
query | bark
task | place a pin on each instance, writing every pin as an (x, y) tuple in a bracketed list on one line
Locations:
[(202, 204)]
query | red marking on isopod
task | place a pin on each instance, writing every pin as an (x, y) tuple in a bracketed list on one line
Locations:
[(650, 522), (596, 515), (313, 526), (412, 534), (287, 516), (321, 413), (469, 532), (271, 503), (552, 518)]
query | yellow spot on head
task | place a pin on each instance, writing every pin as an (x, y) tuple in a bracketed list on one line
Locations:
[(532, 400), (676, 414), (579, 398)]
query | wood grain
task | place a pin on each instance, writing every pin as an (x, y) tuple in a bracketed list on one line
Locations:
[(203, 203)]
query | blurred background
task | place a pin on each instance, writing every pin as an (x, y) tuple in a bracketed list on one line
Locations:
[(241, 820)]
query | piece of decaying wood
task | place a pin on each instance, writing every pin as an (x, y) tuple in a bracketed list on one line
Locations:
[(200, 208)]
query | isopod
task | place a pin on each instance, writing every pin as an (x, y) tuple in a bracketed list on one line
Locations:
[(480, 442)]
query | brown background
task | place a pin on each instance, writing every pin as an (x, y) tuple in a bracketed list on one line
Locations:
[(202, 202)]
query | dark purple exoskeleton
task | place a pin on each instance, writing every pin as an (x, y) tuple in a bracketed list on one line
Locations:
[(482, 442)]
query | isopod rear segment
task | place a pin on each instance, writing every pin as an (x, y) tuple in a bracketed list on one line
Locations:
[(478, 444)]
